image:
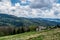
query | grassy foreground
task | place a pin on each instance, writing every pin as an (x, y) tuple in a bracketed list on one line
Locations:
[(43, 35)]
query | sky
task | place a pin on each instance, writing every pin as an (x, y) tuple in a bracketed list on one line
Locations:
[(31, 8)]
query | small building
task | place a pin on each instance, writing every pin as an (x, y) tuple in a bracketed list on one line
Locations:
[(39, 28)]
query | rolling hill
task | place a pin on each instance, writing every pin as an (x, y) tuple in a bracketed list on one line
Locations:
[(10, 20)]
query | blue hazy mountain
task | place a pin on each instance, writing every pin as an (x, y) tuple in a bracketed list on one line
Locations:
[(52, 19), (10, 20)]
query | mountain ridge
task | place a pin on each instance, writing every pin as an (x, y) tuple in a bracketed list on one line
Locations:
[(11, 20)]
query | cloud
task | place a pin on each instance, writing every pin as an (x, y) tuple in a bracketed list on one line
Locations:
[(35, 9), (42, 3), (4, 6)]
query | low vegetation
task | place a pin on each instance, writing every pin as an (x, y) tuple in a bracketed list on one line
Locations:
[(4, 31), (53, 34), (49, 35)]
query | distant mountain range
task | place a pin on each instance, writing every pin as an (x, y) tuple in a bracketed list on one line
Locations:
[(53, 19), (10, 20)]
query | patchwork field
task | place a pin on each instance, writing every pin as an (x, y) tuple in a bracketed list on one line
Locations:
[(53, 34)]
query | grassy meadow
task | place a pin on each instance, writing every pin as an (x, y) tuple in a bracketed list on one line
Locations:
[(53, 34)]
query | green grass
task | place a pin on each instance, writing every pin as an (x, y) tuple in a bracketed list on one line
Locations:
[(43, 35), (49, 35)]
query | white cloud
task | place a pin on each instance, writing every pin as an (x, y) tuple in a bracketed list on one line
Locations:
[(4, 6), (47, 9)]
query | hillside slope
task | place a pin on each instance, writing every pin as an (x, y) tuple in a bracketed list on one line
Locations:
[(10, 20), (43, 35)]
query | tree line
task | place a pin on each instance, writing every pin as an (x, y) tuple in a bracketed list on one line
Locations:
[(17, 30)]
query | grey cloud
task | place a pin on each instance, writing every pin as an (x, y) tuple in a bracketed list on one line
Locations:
[(42, 3), (56, 13)]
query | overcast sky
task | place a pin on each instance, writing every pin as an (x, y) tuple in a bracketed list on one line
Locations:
[(31, 8)]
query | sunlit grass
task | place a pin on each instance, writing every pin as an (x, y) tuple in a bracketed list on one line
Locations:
[(42, 35)]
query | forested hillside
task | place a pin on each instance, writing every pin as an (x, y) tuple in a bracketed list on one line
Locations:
[(10, 25), (10, 20)]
